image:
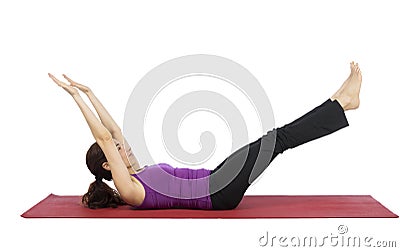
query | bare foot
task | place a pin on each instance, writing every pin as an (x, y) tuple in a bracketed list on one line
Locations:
[(348, 93), (352, 66)]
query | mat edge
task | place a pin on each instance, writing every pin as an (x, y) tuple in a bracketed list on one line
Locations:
[(390, 211), (25, 214)]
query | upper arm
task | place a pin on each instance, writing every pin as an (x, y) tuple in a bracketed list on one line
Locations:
[(131, 192), (111, 152)]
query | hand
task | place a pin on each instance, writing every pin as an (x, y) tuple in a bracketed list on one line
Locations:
[(81, 87), (70, 89)]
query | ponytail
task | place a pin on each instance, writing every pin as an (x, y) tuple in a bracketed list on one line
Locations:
[(100, 195)]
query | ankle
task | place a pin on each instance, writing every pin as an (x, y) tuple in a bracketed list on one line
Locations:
[(343, 101)]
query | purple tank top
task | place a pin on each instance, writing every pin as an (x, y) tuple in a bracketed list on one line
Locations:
[(169, 187)]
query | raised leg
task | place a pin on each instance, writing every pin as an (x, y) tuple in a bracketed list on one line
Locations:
[(247, 163)]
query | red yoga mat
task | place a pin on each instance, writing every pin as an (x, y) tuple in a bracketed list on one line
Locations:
[(267, 206)]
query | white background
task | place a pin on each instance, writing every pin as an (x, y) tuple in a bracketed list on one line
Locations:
[(298, 50)]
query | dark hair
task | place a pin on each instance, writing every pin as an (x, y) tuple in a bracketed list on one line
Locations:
[(99, 194)]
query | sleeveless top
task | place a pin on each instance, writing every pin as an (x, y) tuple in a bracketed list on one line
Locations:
[(169, 187)]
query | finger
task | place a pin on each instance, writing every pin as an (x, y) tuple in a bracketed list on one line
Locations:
[(73, 83), (69, 79), (58, 82), (66, 77), (53, 78)]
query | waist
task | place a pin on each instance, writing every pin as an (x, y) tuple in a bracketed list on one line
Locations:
[(170, 187)]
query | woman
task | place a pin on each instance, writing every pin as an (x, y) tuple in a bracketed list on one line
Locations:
[(111, 158)]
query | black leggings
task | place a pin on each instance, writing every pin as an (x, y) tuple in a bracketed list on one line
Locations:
[(239, 170)]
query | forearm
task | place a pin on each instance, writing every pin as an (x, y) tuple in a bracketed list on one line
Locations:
[(111, 125), (99, 131), (105, 117)]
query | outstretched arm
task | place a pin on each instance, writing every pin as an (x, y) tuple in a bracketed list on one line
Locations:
[(129, 188), (106, 119), (98, 130)]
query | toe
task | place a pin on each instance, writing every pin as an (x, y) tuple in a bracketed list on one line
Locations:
[(353, 66)]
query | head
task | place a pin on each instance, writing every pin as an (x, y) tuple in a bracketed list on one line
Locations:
[(99, 194)]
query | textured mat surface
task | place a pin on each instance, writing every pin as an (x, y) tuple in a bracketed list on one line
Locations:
[(265, 206)]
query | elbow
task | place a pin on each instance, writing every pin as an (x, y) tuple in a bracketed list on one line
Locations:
[(104, 137), (132, 197), (131, 200), (116, 130)]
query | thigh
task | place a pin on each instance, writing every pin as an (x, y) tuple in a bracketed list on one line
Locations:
[(230, 180), (251, 146)]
